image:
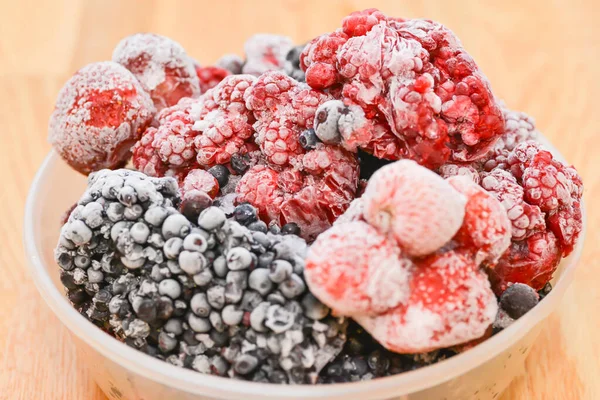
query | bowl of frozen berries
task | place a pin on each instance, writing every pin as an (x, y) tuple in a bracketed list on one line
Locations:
[(357, 217)]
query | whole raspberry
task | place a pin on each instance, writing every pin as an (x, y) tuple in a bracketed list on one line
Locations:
[(284, 109), (450, 303), (199, 180), (225, 123), (99, 114), (356, 270), (210, 76), (415, 205), (266, 52), (486, 228), (531, 261), (312, 193), (169, 146), (161, 65), (526, 219), (415, 77), (468, 170)]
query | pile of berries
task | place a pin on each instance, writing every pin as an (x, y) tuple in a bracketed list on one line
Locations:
[(370, 172)]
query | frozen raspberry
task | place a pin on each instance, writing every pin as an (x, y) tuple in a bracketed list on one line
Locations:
[(355, 270), (284, 109), (231, 62), (518, 128), (531, 261), (170, 146), (525, 218), (223, 120), (468, 170), (199, 180), (415, 205), (312, 193), (360, 22), (486, 229), (161, 65), (412, 77), (210, 76), (99, 114), (266, 52), (450, 303)]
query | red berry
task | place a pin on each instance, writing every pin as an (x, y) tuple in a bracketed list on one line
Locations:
[(356, 270), (265, 52), (486, 229), (415, 205), (161, 65), (468, 170), (360, 22), (450, 303), (99, 114), (210, 76), (312, 193), (531, 261), (199, 180)]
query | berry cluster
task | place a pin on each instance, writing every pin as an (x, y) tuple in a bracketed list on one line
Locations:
[(211, 295), (435, 217)]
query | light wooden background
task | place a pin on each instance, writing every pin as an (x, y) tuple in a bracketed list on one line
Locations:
[(541, 56)]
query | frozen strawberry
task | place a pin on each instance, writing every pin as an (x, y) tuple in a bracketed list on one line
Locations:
[(224, 122), (525, 218), (161, 65), (412, 77), (355, 270), (486, 229), (199, 180), (284, 109), (450, 303), (210, 76), (531, 261), (416, 206), (312, 193), (99, 115), (266, 52)]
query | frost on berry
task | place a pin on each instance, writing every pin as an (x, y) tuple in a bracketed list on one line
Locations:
[(266, 52), (531, 261), (355, 270), (99, 114), (283, 109), (450, 302), (486, 228), (415, 205), (199, 180), (161, 65), (412, 77), (526, 219), (210, 76), (467, 170), (312, 193), (223, 120)]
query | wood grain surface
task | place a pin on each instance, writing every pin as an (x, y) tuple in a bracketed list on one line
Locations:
[(541, 57)]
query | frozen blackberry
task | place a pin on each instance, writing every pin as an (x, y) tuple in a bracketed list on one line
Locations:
[(518, 299), (292, 63), (200, 294)]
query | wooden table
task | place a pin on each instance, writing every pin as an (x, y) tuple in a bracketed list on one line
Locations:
[(541, 57)]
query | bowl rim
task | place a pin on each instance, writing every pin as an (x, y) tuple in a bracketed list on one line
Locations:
[(197, 383)]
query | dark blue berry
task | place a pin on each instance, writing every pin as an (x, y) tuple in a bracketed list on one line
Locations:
[(221, 174), (308, 139), (192, 206), (545, 291), (147, 310), (259, 226), (240, 163), (518, 299), (244, 214), (378, 362), (290, 229)]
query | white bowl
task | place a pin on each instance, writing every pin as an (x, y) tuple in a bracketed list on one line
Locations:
[(124, 373)]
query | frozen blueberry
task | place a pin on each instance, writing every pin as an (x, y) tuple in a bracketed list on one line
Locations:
[(259, 226), (290, 229), (518, 299), (221, 174), (259, 281), (240, 163), (169, 287), (199, 305), (239, 258), (199, 325), (194, 203), (245, 364), (308, 139), (258, 316), (175, 225), (212, 218), (326, 121), (166, 342), (280, 270), (232, 315), (313, 308), (244, 214)]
